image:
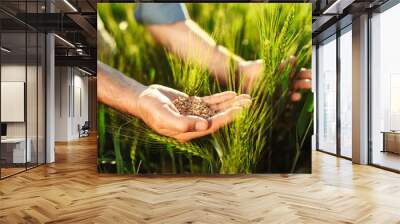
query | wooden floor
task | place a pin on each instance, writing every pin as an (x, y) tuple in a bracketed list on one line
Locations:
[(71, 191), (387, 159), (10, 171)]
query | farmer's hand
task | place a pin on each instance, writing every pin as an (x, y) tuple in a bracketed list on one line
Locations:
[(251, 70), (155, 108), (299, 80)]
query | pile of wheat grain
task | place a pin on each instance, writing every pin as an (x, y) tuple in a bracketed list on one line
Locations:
[(193, 106)]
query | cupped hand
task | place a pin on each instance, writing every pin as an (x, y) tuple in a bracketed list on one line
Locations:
[(299, 80), (155, 107), (251, 70)]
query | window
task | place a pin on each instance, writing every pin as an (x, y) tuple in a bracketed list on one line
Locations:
[(385, 89), (346, 92), (327, 95)]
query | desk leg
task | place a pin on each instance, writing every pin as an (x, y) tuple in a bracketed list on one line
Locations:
[(384, 142)]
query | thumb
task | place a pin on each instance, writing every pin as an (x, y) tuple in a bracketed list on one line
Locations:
[(182, 123), (194, 123)]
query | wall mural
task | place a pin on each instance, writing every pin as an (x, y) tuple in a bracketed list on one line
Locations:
[(197, 88)]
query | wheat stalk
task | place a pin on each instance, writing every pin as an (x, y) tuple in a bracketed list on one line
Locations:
[(185, 147)]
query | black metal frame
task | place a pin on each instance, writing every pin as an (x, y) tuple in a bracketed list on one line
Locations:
[(338, 153), (26, 90), (44, 71), (369, 90), (316, 106), (338, 99)]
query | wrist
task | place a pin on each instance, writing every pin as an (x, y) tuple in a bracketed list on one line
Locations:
[(239, 67), (133, 98), (239, 71)]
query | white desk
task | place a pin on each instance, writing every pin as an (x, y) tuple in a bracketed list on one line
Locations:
[(19, 155)]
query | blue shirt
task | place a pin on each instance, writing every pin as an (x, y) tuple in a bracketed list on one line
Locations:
[(160, 13)]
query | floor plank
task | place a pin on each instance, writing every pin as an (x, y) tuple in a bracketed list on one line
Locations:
[(71, 191)]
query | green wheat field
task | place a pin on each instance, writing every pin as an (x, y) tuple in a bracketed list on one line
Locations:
[(273, 135)]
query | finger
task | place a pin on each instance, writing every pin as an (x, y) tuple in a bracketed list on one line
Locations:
[(184, 137), (173, 107), (304, 74), (282, 65), (291, 62), (295, 97), (302, 84), (241, 100), (219, 97), (169, 119), (195, 123), (223, 118), (228, 103), (172, 120), (217, 121), (187, 136)]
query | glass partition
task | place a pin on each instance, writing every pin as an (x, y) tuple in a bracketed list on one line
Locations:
[(327, 95), (22, 89), (14, 153)]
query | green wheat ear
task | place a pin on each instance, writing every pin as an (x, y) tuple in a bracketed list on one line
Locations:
[(184, 147)]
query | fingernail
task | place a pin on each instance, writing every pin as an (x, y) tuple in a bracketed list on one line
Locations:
[(201, 126), (246, 96)]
